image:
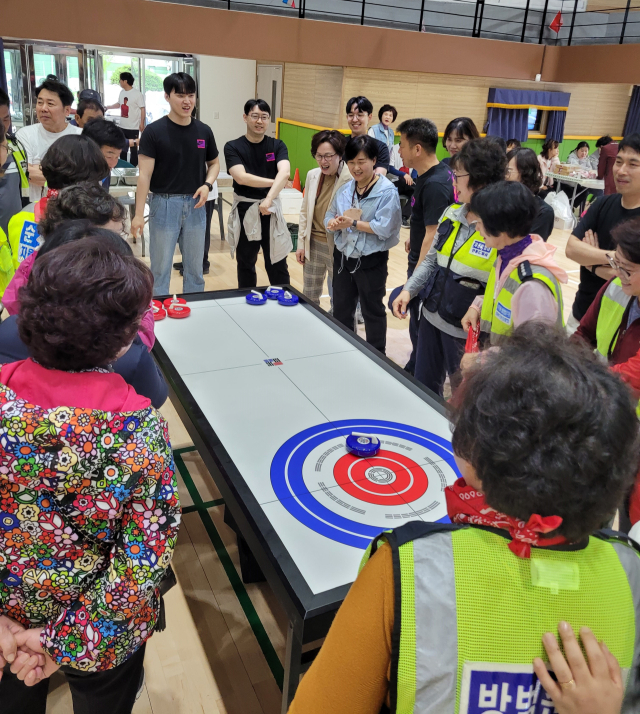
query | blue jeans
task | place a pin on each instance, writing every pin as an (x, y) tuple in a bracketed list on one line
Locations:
[(173, 219)]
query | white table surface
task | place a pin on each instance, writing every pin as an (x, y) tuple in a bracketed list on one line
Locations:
[(587, 183)]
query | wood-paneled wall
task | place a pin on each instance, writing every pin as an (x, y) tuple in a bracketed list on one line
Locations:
[(317, 94)]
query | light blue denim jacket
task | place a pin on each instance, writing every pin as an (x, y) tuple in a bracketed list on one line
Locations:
[(383, 134), (381, 209)]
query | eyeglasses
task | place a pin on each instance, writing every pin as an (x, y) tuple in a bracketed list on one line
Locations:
[(458, 176), (618, 268), (257, 117), (359, 115), (324, 157)]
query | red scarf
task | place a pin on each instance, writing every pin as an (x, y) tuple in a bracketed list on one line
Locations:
[(466, 505)]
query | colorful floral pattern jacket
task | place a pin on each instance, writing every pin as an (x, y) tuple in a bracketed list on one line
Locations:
[(89, 516)]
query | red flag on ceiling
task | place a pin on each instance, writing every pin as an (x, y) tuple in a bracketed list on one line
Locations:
[(556, 23)]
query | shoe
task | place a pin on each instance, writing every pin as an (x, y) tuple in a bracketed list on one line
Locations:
[(406, 223), (205, 268), (178, 266)]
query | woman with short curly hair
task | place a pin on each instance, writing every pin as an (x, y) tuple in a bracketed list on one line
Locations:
[(92, 460)]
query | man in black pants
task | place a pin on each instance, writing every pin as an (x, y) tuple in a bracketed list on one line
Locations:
[(260, 169)]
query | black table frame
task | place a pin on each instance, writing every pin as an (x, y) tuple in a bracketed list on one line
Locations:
[(310, 616)]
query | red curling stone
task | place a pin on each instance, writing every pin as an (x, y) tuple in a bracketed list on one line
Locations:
[(174, 301), (178, 312)]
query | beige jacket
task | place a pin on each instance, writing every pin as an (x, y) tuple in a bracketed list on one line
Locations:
[(309, 205), (280, 244)]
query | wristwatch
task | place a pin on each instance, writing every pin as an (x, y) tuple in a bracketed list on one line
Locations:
[(355, 224), (209, 186)]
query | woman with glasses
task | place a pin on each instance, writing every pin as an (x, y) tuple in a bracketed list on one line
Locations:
[(315, 244), (611, 325), (455, 270)]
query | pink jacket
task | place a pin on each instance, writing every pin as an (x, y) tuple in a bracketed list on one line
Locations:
[(532, 300), (11, 301)]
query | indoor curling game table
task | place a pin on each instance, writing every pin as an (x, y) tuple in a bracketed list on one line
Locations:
[(269, 393)]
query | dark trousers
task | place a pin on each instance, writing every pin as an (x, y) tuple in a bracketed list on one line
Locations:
[(405, 190), (247, 255), (363, 279), (414, 310), (110, 692), (130, 134), (210, 207), (437, 355)]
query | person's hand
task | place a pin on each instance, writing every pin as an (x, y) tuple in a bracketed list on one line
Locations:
[(343, 222), (289, 184), (593, 688), (468, 361), (408, 180), (407, 246), (36, 176), (137, 226), (202, 194), (332, 225), (470, 319), (8, 644), (399, 306), (32, 664), (265, 206), (300, 256), (591, 238)]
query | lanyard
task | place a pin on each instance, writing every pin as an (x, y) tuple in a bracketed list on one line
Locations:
[(356, 202)]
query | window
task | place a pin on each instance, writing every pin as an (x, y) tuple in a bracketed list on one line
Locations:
[(535, 119)]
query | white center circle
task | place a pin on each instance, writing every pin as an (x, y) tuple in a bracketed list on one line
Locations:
[(364, 440), (380, 475)]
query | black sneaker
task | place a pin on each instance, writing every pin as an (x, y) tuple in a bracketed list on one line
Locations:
[(406, 223), (205, 268), (178, 266)]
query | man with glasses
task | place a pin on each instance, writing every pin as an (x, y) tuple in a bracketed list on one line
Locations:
[(260, 168), (591, 240)]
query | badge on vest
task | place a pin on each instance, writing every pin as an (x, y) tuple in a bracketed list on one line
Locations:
[(480, 249), (29, 240), (503, 314), (491, 688)]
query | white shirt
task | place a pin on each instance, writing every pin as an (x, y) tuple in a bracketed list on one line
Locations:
[(135, 102), (37, 140)]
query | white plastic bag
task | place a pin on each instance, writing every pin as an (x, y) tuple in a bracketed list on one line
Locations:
[(561, 207)]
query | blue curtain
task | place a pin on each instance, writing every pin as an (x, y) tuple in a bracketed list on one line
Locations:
[(508, 123), (555, 125), (632, 122)]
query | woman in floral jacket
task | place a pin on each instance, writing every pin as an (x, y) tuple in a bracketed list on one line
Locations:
[(89, 508)]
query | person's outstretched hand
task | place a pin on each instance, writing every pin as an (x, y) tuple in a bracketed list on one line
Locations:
[(32, 664), (582, 688)]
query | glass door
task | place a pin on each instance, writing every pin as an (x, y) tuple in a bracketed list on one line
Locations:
[(155, 70), (14, 82)]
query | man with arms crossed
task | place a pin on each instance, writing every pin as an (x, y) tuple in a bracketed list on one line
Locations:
[(260, 168), (133, 114), (178, 163)]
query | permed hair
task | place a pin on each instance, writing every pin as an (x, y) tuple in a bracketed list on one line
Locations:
[(528, 167), (484, 160), (330, 136), (73, 159)]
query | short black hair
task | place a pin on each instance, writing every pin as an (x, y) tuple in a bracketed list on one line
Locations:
[(420, 131), (72, 159), (85, 104), (363, 104), (505, 207), (180, 83), (59, 88), (463, 126), (513, 143), (4, 99), (387, 108), (548, 146), (603, 141), (105, 133), (631, 141), (260, 103), (626, 236), (365, 143), (581, 145), (84, 200), (484, 160), (528, 168), (549, 429), (127, 77), (75, 229), (337, 140)]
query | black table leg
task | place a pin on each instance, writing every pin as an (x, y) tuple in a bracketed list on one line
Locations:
[(292, 664), (220, 216)]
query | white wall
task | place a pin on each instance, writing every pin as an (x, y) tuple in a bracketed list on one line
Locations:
[(225, 85)]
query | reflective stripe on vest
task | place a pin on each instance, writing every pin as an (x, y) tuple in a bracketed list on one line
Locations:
[(613, 306), (21, 165), (24, 238), (472, 619), (496, 318), (474, 259)]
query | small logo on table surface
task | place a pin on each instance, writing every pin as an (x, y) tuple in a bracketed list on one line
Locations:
[(273, 362), (271, 157), (202, 144)]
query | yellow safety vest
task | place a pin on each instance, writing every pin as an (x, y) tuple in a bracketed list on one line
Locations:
[(6, 263), (24, 238)]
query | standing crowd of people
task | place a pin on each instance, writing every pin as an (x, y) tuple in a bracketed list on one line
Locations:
[(545, 430)]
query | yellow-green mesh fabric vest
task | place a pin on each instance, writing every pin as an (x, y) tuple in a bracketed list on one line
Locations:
[(6, 263), (21, 165), (496, 317), (472, 619), (24, 238)]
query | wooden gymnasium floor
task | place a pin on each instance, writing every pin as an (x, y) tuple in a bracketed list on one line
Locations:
[(224, 644)]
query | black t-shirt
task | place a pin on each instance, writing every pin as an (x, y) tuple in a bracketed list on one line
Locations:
[(433, 192), (259, 159), (181, 153), (543, 223), (604, 215), (383, 156)]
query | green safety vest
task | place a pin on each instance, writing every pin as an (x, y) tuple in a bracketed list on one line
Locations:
[(6, 263), (21, 164), (496, 317), (24, 238), (613, 308), (470, 615)]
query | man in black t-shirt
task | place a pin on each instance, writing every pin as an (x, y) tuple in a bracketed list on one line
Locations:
[(178, 161), (260, 169), (359, 116), (591, 239), (433, 193)]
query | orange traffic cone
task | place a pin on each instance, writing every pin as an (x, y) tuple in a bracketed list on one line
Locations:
[(296, 181)]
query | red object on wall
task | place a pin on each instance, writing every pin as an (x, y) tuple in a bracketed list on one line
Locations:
[(556, 23)]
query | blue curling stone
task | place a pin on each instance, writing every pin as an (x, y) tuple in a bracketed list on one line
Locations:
[(254, 299), (291, 300), (363, 446), (274, 293)]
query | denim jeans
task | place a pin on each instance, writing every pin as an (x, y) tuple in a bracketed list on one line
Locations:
[(173, 219)]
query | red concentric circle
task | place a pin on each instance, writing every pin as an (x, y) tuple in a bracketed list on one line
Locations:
[(387, 479)]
